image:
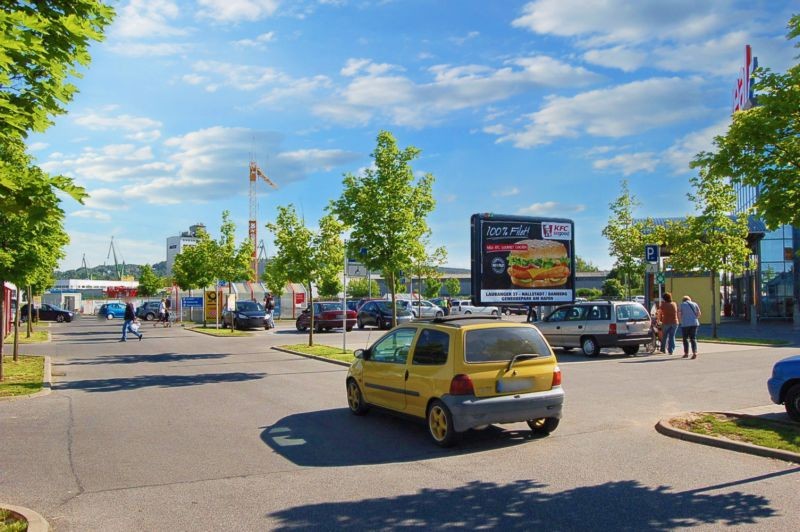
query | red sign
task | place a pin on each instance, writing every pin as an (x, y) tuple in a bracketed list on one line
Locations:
[(299, 299), (741, 93)]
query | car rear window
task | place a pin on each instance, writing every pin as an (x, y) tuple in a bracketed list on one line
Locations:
[(503, 343), (631, 313), (431, 349), (248, 306), (330, 306)]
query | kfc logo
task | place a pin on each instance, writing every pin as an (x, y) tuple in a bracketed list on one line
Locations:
[(557, 231)]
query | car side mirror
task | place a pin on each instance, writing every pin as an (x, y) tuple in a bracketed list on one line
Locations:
[(359, 353)]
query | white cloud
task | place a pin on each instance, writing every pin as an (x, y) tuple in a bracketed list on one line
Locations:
[(513, 191), (550, 207), (681, 153), (621, 57), (138, 49), (629, 163), (614, 112), (405, 102), (257, 42), (236, 10), (105, 199), (139, 128), (461, 40), (37, 146), (355, 66), (622, 21), (148, 18), (242, 77), (92, 215)]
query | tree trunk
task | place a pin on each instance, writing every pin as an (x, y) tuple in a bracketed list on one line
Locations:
[(16, 327), (29, 321), (796, 278), (2, 323), (311, 326), (394, 301), (714, 298)]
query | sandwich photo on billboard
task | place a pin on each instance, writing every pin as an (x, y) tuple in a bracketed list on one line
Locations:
[(538, 264)]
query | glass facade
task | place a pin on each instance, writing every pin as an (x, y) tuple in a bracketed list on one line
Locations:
[(769, 280)]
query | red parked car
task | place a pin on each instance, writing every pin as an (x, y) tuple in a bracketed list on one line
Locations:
[(327, 315)]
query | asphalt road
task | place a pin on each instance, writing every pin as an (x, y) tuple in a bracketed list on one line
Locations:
[(184, 431)]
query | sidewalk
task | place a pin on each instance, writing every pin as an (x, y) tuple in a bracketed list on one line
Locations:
[(765, 329)]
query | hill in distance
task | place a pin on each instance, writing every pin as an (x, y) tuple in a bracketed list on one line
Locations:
[(107, 272)]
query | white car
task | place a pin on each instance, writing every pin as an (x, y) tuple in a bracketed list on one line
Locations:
[(465, 306), (425, 309)]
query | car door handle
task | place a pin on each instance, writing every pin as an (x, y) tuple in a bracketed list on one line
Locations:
[(580, 326), (558, 327), (406, 378)]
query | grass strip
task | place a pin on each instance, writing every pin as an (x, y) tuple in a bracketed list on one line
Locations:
[(757, 431), (10, 523), (36, 337), (742, 341), (324, 351), (23, 377), (213, 331)]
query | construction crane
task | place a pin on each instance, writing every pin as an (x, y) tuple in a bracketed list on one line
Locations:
[(85, 268), (119, 270), (255, 173)]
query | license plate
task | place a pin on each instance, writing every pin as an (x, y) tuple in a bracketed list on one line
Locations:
[(513, 385)]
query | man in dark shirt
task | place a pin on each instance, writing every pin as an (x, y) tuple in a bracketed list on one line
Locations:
[(130, 317)]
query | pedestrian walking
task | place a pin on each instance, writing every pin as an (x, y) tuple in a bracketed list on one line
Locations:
[(162, 313), (127, 326), (689, 316), (668, 317), (269, 306), (532, 317)]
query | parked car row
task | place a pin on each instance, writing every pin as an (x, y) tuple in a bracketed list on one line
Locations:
[(48, 312)]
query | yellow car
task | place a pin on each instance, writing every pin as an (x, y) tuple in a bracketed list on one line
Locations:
[(459, 373)]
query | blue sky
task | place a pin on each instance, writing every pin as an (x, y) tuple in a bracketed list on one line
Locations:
[(534, 108)]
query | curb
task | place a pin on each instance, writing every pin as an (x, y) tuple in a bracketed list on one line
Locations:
[(664, 427), (47, 380), (192, 329), (315, 357), (36, 523)]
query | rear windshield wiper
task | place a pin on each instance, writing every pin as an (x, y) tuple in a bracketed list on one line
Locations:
[(521, 356)]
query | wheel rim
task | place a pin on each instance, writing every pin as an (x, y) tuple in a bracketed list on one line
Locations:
[(353, 396), (437, 423), (536, 423), (589, 346), (60, 318)]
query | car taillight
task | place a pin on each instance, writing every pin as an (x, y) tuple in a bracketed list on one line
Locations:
[(557, 376), (612, 328), (461, 385)]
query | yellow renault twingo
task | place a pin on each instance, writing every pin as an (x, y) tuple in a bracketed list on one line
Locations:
[(458, 373)]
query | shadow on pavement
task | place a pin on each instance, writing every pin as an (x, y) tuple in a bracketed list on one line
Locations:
[(160, 381), (333, 438), (527, 505), (136, 359)]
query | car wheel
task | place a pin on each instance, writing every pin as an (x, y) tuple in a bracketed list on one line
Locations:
[(590, 347), (494, 313), (507, 312), (360, 323), (109, 316), (318, 327), (439, 314), (440, 424), (792, 402), (299, 327), (467, 312), (380, 322), (543, 426), (630, 349), (149, 316), (60, 318), (348, 329), (354, 398), (235, 323)]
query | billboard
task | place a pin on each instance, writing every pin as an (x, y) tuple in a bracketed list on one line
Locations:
[(522, 259)]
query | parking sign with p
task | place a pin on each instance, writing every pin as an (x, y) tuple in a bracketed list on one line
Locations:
[(651, 253)]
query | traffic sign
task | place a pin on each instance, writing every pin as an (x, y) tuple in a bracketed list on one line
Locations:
[(651, 268), (660, 278), (651, 252), (192, 302)]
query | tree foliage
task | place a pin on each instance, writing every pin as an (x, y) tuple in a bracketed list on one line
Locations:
[(149, 283), (612, 288), (762, 145), (360, 287), (232, 262), (274, 277), (386, 209), (453, 287), (433, 285), (44, 42), (626, 238), (585, 266), (194, 265), (309, 258)]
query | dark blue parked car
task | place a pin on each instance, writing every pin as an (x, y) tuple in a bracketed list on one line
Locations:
[(784, 386), (110, 311)]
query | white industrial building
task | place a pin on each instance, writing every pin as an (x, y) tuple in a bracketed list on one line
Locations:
[(175, 244)]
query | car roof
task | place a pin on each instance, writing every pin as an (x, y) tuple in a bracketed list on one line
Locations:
[(470, 321)]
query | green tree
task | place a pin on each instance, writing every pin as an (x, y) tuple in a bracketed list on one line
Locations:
[(195, 265), (612, 288), (713, 240), (44, 42), (274, 277), (761, 149), (360, 287), (589, 293), (428, 267), (433, 285), (453, 287), (149, 283), (307, 258), (387, 211), (626, 238), (233, 262), (585, 266)]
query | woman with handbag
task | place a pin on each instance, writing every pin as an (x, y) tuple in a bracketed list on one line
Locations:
[(668, 317), (689, 316)]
